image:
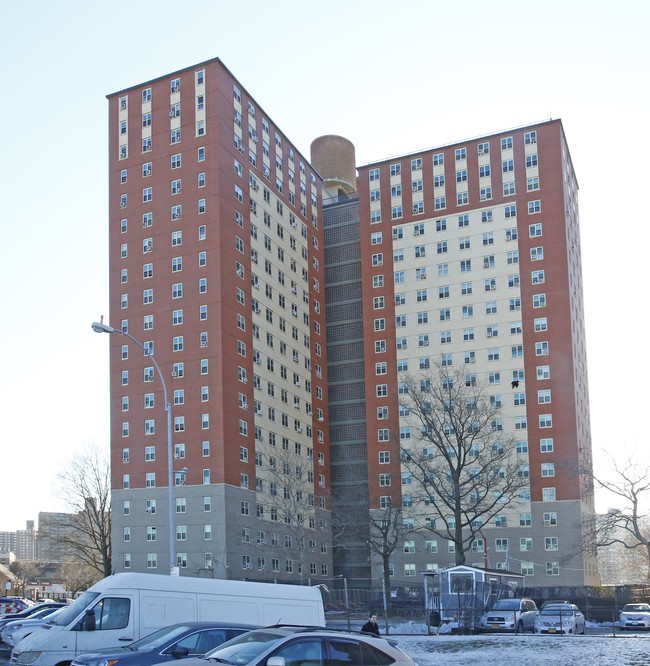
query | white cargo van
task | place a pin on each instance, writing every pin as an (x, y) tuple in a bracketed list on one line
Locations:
[(127, 606)]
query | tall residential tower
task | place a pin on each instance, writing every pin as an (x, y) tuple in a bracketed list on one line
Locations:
[(216, 266), (468, 256)]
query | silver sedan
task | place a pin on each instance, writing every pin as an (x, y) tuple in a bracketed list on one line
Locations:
[(560, 619)]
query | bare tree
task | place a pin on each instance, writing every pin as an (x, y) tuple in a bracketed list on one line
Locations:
[(24, 573), (629, 484), (290, 500), (386, 531), (77, 576), (465, 467), (84, 485)]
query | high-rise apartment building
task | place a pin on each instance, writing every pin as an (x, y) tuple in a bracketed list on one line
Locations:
[(20, 542), (216, 266), (469, 256), (226, 263)]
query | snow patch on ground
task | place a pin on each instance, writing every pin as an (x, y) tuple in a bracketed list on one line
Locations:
[(526, 650)]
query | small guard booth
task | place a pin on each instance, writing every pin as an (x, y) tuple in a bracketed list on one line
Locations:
[(461, 594)]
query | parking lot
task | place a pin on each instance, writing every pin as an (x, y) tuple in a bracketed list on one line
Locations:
[(599, 646)]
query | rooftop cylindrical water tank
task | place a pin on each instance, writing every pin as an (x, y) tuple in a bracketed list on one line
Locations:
[(333, 157)]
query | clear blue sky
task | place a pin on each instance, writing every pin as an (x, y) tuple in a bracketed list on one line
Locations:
[(391, 77)]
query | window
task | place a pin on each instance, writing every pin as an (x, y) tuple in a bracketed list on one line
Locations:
[(548, 469), (550, 519), (546, 445), (536, 253), (548, 494), (539, 300)]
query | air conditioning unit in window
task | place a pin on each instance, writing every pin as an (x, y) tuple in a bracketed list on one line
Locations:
[(298, 429), (259, 411), (255, 139), (256, 187), (174, 374), (240, 149), (204, 343), (244, 405)]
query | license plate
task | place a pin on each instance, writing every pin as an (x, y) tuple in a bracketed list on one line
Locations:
[(496, 626), (551, 631)]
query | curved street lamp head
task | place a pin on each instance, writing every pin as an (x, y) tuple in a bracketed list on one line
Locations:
[(101, 327)]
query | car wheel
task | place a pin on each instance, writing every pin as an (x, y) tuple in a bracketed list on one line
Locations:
[(520, 627)]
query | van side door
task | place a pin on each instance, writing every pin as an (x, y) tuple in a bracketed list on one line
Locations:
[(108, 623)]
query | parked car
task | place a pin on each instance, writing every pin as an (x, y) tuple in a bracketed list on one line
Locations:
[(12, 605), (634, 616), (560, 619), (285, 645), (554, 602), (188, 639), (28, 612), (15, 631), (510, 615)]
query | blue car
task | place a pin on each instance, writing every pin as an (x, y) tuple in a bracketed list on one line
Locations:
[(178, 641)]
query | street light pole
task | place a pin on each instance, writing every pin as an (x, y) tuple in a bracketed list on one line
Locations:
[(100, 327)]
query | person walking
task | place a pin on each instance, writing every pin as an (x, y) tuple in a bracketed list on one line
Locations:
[(371, 625)]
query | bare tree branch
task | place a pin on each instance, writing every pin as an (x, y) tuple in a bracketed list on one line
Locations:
[(629, 526), (84, 485), (462, 465)]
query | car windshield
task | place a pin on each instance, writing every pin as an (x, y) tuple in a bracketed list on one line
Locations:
[(50, 618), (557, 610), (159, 638), (507, 604), (42, 613), (71, 611), (636, 608), (244, 648)]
